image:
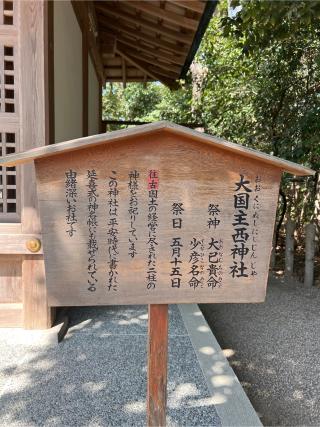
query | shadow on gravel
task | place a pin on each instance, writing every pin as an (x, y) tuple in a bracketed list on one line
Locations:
[(97, 375), (274, 349)]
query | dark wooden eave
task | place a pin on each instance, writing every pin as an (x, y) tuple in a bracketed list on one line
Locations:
[(139, 41)]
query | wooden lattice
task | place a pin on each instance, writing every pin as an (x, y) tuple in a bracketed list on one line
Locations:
[(7, 12), (9, 114), (8, 178), (8, 78)]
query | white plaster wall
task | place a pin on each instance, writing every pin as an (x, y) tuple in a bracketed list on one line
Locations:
[(93, 100), (67, 72)]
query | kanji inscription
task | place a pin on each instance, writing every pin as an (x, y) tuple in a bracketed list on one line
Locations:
[(136, 229)]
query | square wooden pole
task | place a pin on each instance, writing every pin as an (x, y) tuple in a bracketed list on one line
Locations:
[(157, 365)]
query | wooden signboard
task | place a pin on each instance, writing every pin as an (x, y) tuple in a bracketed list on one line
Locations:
[(155, 214)]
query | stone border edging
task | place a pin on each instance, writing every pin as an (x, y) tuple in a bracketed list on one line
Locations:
[(231, 402)]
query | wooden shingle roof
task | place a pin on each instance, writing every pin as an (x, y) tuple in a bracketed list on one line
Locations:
[(147, 131)]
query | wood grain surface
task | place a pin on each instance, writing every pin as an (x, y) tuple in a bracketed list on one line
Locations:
[(157, 364), (190, 173), (148, 131)]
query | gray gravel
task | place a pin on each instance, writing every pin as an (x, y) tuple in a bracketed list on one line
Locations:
[(97, 375), (274, 348)]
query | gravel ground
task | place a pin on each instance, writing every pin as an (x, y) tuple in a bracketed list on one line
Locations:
[(97, 376), (274, 348)]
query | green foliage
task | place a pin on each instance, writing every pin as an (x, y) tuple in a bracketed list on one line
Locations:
[(262, 85), (262, 23), (149, 102)]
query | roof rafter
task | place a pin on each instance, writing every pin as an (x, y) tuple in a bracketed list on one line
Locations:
[(124, 73), (142, 67), (86, 17), (175, 59), (195, 6), (151, 59), (174, 48), (167, 32), (166, 15)]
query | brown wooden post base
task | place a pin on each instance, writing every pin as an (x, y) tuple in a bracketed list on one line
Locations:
[(36, 312), (157, 365)]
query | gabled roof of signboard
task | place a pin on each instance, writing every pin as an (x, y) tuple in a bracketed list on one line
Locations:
[(144, 130)]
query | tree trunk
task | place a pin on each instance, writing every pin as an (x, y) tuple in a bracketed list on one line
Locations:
[(273, 252), (310, 230), (316, 213), (290, 227)]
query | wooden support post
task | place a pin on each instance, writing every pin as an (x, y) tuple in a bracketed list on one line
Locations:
[(34, 54), (157, 365), (290, 227), (310, 232), (101, 125), (36, 312)]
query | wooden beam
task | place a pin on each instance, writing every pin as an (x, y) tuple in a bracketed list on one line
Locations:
[(108, 48), (150, 58), (137, 34), (33, 94), (131, 72), (149, 8), (124, 73), (142, 67), (134, 72), (16, 244), (11, 315), (175, 59), (158, 28), (129, 79), (101, 127), (85, 19), (93, 21), (195, 6), (163, 73), (136, 63)]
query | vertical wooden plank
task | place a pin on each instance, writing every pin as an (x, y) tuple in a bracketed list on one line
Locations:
[(101, 127), (50, 71), (34, 125), (36, 313), (157, 364), (85, 83)]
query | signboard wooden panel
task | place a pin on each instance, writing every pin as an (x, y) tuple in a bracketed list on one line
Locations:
[(156, 215), (157, 220)]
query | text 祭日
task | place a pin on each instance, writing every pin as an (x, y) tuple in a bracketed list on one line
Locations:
[(196, 261)]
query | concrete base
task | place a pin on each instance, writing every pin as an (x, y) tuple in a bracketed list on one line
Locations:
[(231, 402)]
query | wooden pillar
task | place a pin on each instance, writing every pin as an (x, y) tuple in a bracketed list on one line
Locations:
[(310, 232), (34, 132), (36, 313), (50, 74), (85, 82), (289, 255), (157, 365), (101, 128)]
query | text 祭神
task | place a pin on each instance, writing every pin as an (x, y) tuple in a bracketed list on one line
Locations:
[(196, 262)]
